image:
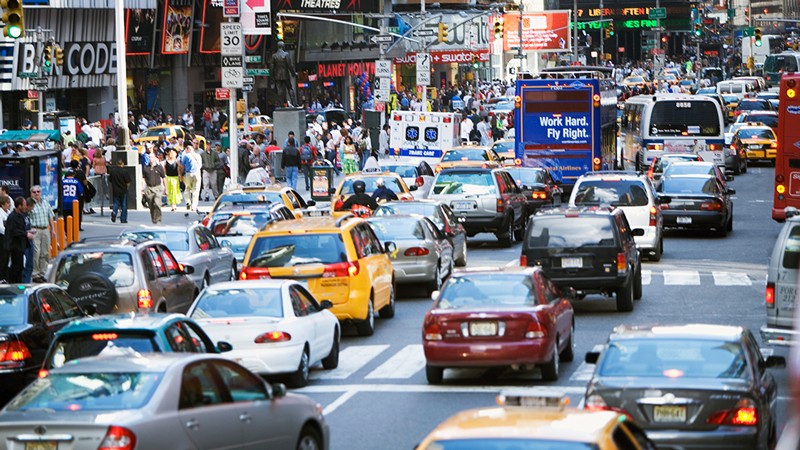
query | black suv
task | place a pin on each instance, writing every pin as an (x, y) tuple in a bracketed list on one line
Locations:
[(590, 249)]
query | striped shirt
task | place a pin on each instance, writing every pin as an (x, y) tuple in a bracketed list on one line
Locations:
[(41, 214)]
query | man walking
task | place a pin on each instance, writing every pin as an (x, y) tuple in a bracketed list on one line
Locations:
[(290, 163), (192, 164), (383, 142), (41, 218), (120, 181), (308, 154), (153, 179), (17, 239), (209, 158), (71, 190)]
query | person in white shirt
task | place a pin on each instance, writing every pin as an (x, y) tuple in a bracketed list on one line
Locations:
[(466, 127), (485, 129), (383, 141)]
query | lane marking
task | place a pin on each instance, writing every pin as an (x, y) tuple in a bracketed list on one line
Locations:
[(423, 388), (681, 277), (351, 360), (338, 402), (731, 279), (647, 276), (403, 364)]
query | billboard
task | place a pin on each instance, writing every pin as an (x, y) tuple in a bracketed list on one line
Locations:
[(139, 31), (209, 33), (546, 31), (177, 29)]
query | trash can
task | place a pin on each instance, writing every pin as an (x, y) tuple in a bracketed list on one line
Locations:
[(321, 182), (275, 159)]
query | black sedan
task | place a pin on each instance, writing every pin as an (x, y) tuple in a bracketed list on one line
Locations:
[(698, 201), (688, 386), (30, 315), (539, 188)]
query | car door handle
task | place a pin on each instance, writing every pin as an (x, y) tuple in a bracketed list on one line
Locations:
[(245, 417), (192, 424)]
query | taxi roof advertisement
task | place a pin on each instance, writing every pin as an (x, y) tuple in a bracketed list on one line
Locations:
[(545, 31)]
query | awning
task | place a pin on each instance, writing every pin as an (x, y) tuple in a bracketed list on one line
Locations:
[(30, 136)]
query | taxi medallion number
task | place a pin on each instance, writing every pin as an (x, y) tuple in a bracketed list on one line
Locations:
[(483, 328), (571, 263), (41, 445), (670, 414)]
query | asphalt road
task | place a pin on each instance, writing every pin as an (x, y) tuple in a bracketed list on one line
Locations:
[(378, 398)]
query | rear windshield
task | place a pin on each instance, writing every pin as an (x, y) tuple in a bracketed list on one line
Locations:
[(791, 251), (240, 225), (115, 342), (687, 185), (116, 266), (177, 241), (614, 193), (756, 134), (392, 182), (403, 171), (480, 291), (247, 198), (391, 228), (685, 118), (780, 63), (465, 155), (13, 307), (423, 209), (568, 232), (688, 169), (753, 105), (294, 250), (770, 120), (106, 391), (239, 303), (527, 176), (464, 183), (673, 358), (731, 88), (509, 444)]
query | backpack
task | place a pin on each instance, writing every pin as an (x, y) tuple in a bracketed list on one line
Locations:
[(305, 153)]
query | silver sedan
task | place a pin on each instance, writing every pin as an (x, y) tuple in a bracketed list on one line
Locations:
[(424, 254), (194, 246), (160, 401)]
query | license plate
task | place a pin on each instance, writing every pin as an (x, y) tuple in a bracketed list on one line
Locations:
[(684, 220), (673, 414), (463, 206), (571, 263), (754, 147), (41, 445), (483, 328), (314, 213)]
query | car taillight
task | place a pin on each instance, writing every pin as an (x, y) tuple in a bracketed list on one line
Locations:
[(273, 336), (711, 206), (143, 299), (653, 216), (501, 205), (539, 195), (118, 438), (12, 353), (433, 332), (770, 295), (743, 414), (254, 273), (419, 181), (523, 260), (595, 402), (534, 330), (663, 206), (622, 263), (417, 251), (205, 221), (342, 269)]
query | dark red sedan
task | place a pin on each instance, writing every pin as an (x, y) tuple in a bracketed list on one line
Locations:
[(514, 317)]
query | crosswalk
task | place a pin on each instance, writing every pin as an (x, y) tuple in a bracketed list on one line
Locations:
[(696, 278)]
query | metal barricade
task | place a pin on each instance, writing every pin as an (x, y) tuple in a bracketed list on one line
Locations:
[(102, 197)]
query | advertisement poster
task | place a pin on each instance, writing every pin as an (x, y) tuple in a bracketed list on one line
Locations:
[(139, 29), (544, 31), (177, 28), (209, 33), (48, 179), (11, 176)]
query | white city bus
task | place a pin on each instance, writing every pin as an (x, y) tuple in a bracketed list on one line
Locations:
[(423, 134), (655, 124)]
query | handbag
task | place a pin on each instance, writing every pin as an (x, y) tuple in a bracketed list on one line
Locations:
[(89, 192)]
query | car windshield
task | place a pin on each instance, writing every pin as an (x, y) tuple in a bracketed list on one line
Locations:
[(177, 241), (392, 182), (13, 306), (689, 169), (247, 198), (487, 291), (423, 209), (688, 185), (527, 176), (109, 391), (730, 98), (103, 342), (615, 192), (509, 444), (295, 250), (476, 154), (464, 183), (568, 232), (117, 266), (397, 228), (402, 170), (155, 132), (749, 133), (673, 358), (240, 224), (261, 302)]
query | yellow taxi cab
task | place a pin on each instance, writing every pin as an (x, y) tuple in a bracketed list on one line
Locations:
[(756, 142), (392, 181), (536, 420), (504, 149), (256, 193), (731, 102), (153, 134), (469, 156), (635, 81), (341, 260), (258, 123)]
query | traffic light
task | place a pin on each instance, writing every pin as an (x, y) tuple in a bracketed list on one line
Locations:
[(279, 30), (664, 38), (475, 61), (610, 28), (47, 58), (13, 18), (757, 36), (498, 27), (59, 52), (606, 33), (443, 32), (698, 30)]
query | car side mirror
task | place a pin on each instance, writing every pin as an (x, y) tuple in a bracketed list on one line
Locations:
[(332, 191), (664, 199), (413, 187), (326, 304), (89, 309), (311, 203), (390, 247), (224, 346), (731, 191), (435, 295), (278, 390), (775, 361), (591, 357), (187, 270), (638, 232)]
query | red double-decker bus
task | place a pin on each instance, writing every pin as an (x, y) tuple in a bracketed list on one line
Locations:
[(787, 161)]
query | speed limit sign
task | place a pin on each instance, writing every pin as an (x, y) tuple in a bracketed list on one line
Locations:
[(231, 39)]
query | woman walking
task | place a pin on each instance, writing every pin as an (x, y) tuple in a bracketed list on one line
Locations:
[(349, 156), (173, 180)]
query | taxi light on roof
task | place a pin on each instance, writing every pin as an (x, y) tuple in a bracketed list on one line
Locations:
[(144, 299), (533, 399), (241, 213), (104, 336)]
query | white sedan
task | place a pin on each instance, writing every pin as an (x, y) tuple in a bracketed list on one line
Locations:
[(275, 326)]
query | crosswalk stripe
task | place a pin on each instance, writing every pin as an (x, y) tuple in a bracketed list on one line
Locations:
[(731, 279), (403, 364), (350, 360), (647, 276), (681, 277)]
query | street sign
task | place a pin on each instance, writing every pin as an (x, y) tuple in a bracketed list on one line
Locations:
[(382, 38), (230, 8), (423, 32), (249, 79), (257, 17), (247, 88), (383, 68), (381, 89), (423, 69), (252, 58), (231, 39), (657, 13), (232, 77), (39, 80), (749, 31), (33, 94), (222, 94), (231, 61), (258, 72)]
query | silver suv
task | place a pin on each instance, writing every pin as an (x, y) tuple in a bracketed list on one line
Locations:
[(485, 200), (122, 275)]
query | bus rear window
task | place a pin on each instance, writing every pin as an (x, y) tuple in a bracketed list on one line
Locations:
[(685, 118), (780, 63)]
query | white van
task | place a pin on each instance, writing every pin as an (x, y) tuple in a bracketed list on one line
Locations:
[(423, 134), (781, 293), (739, 88)]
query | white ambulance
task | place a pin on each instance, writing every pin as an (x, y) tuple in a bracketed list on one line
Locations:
[(423, 134)]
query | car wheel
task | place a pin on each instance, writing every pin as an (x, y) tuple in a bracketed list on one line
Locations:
[(204, 284), (637, 284), (504, 237), (625, 297), (729, 227), (233, 275), (366, 327), (744, 167), (550, 369), (659, 250), (723, 230), (436, 283), (331, 361), (568, 354), (462, 260), (737, 168), (300, 377), (387, 312), (519, 233), (435, 375), (309, 439)]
